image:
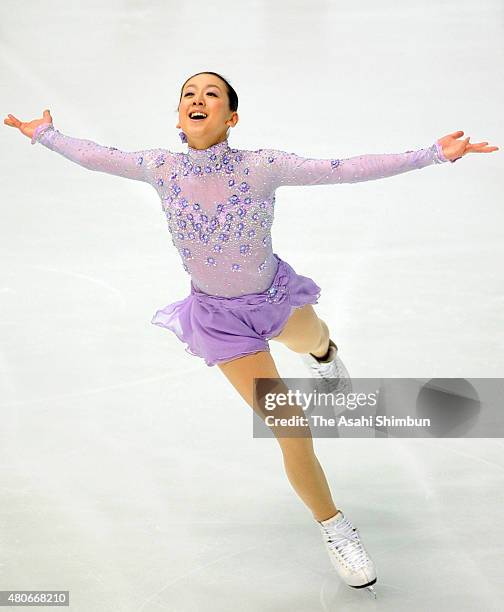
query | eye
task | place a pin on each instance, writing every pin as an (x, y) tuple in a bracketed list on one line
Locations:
[(210, 93)]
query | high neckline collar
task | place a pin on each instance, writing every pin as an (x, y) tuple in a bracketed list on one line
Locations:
[(218, 150)]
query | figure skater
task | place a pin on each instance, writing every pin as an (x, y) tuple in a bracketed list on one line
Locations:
[(219, 204)]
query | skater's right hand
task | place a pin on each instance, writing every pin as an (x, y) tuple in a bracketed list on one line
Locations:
[(29, 127)]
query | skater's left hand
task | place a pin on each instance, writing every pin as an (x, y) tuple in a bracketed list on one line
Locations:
[(455, 149)]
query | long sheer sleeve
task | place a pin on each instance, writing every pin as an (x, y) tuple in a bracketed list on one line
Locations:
[(138, 165), (290, 169)]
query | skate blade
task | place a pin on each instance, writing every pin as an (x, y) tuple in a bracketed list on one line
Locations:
[(372, 591)]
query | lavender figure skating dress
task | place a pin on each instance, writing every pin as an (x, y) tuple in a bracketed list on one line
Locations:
[(219, 204)]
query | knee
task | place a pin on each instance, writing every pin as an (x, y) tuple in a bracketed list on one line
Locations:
[(312, 342)]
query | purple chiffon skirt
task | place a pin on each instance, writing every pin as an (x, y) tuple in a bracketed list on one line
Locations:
[(219, 329)]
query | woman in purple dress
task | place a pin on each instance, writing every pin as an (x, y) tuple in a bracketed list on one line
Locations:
[(219, 205)]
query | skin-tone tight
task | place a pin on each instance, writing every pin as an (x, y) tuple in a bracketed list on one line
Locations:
[(303, 333)]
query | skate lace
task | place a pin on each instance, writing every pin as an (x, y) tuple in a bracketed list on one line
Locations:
[(344, 539)]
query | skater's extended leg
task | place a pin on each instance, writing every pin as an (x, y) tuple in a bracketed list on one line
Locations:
[(301, 464), (305, 474), (305, 332)]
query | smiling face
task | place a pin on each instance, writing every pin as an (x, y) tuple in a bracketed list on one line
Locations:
[(206, 94)]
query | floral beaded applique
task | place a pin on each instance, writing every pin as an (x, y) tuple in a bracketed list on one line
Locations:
[(278, 292)]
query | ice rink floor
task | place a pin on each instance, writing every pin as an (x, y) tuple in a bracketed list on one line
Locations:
[(129, 474)]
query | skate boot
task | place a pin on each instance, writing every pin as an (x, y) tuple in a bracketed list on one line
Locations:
[(347, 553), (334, 375)]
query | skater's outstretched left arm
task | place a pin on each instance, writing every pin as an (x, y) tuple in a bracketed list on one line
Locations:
[(283, 168)]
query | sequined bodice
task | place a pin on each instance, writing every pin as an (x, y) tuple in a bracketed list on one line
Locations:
[(219, 202), (220, 217)]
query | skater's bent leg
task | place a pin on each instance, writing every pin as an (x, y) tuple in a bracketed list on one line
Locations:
[(301, 464), (305, 332)]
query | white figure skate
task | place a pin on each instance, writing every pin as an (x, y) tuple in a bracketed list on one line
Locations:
[(347, 553), (332, 371)]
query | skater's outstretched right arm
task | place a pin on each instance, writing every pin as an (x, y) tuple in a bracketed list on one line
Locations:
[(136, 165)]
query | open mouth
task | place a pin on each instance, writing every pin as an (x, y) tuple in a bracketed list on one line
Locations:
[(197, 116)]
